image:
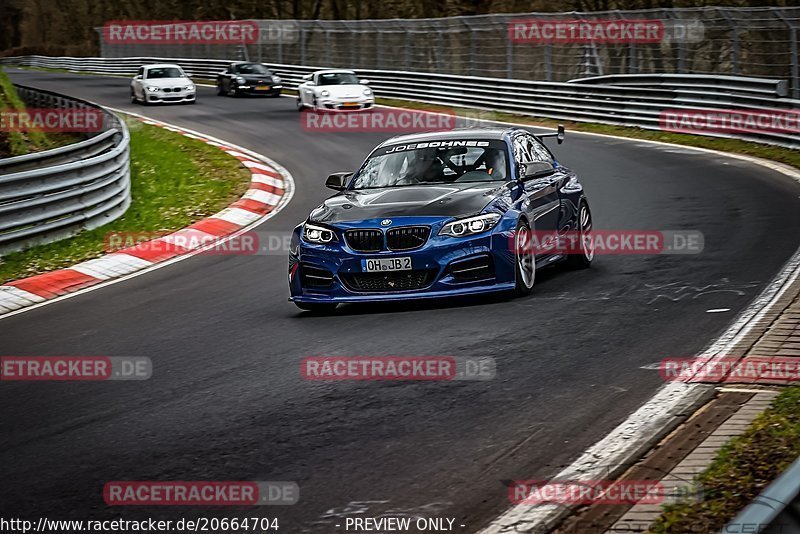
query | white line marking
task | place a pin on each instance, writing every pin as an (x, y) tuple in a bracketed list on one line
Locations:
[(718, 310), (256, 165), (265, 197), (111, 266), (237, 216), (13, 298), (746, 390), (267, 180)]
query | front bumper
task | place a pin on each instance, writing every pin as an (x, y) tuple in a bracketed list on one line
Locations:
[(264, 90), (349, 104), (443, 267), (160, 97)]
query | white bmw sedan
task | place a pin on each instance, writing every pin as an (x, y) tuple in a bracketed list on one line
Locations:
[(161, 84), (334, 90)]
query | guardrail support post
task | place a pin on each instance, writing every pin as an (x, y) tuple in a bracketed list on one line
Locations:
[(548, 63), (795, 67), (302, 46), (509, 58)]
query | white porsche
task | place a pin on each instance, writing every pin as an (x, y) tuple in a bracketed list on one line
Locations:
[(334, 90), (162, 83)]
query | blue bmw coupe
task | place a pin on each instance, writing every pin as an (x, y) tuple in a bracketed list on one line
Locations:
[(436, 215)]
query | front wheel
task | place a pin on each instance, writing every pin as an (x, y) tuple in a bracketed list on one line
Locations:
[(525, 260), (134, 100), (220, 90), (300, 106), (316, 307), (582, 258)]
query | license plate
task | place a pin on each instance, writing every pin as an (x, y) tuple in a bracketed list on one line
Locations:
[(262, 87), (351, 104), (386, 264)]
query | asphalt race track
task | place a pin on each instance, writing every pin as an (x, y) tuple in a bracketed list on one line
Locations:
[(227, 402)]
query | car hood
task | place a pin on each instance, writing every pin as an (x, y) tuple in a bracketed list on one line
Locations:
[(169, 82), (343, 91), (451, 200)]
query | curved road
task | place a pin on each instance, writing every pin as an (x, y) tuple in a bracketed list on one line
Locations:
[(226, 400)]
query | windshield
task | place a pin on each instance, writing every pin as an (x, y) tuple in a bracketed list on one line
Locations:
[(254, 68), (164, 72), (436, 162), (337, 78)]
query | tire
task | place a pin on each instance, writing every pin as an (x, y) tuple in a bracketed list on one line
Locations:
[(316, 307), (300, 106), (220, 90), (524, 260), (232, 92), (583, 259)]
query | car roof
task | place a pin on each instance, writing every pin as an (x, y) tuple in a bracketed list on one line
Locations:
[(458, 133), (334, 71), (162, 65)]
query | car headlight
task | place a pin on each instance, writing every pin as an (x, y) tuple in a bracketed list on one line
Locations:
[(189, 88), (152, 88), (239, 79), (318, 234), (325, 93), (470, 225), (276, 79), (367, 92)]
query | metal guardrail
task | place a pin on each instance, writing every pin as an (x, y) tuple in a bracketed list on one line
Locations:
[(775, 510), (696, 82), (622, 103), (47, 196)]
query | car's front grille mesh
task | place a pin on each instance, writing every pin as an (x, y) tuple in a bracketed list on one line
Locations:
[(387, 282), (407, 237), (364, 240)]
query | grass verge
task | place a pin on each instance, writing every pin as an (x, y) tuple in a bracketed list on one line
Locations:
[(16, 143), (741, 470), (175, 181)]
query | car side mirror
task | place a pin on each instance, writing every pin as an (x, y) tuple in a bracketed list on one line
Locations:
[(537, 169), (560, 134), (364, 82), (338, 180), (137, 77)]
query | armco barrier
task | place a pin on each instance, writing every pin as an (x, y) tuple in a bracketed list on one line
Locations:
[(620, 103), (50, 195), (775, 510)]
